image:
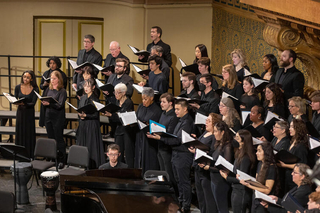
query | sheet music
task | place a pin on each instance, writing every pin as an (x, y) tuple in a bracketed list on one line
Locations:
[(10, 98), (256, 141), (244, 176), (134, 50), (313, 143), (138, 88), (73, 64), (156, 128), (244, 115), (200, 118), (199, 153), (138, 69), (226, 95), (246, 72), (185, 137), (98, 105), (46, 79), (257, 81), (182, 62), (71, 105), (39, 96), (271, 115), (222, 161), (141, 124), (260, 195), (128, 117), (99, 83)]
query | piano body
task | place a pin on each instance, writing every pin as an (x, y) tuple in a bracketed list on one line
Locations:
[(115, 190)]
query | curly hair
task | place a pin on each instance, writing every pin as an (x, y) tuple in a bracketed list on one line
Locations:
[(268, 160), (227, 136), (247, 148), (56, 60), (301, 132), (277, 94), (303, 171), (233, 78)]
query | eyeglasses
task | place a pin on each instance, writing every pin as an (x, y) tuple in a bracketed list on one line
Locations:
[(290, 106), (221, 105), (113, 155), (87, 42), (296, 173)]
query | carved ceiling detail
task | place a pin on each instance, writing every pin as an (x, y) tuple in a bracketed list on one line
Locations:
[(285, 32)]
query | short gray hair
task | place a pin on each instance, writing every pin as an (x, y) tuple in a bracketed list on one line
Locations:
[(157, 48), (121, 87), (148, 91)]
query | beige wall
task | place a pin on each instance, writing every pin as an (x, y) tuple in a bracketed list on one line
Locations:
[(184, 26)]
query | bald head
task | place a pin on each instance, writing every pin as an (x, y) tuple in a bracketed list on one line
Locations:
[(114, 48)]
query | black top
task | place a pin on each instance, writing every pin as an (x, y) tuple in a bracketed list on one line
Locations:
[(284, 143), (47, 74), (237, 91), (264, 132), (225, 151), (249, 101), (302, 117), (209, 141), (271, 79), (278, 109), (166, 52), (186, 124), (301, 151), (112, 61), (292, 82), (270, 175), (165, 69), (126, 79), (240, 73), (169, 120), (316, 121), (61, 97), (158, 82), (212, 104), (214, 83), (91, 56), (243, 166), (119, 165), (192, 94)]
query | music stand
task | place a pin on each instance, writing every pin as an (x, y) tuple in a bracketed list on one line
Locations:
[(14, 152)]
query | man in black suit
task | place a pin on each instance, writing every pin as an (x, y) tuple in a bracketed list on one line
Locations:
[(291, 79), (155, 34), (87, 54), (120, 76), (113, 154), (115, 53), (181, 157)]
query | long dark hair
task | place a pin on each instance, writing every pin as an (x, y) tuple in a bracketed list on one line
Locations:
[(227, 136), (274, 63), (277, 94), (301, 132), (247, 148), (203, 50), (268, 160), (33, 81)]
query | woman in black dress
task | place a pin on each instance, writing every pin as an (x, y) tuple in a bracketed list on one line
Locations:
[(298, 147), (240, 63), (123, 133), (270, 65), (244, 161), (230, 114), (230, 82), (257, 118), (300, 192), (267, 174), (274, 100), (25, 125), (146, 148), (89, 132), (55, 115), (249, 98), (207, 203), (223, 147)]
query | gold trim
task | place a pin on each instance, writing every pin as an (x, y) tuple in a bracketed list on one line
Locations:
[(80, 36)]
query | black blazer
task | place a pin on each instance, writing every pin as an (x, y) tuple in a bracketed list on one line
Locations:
[(112, 61), (127, 80), (94, 57), (293, 82)]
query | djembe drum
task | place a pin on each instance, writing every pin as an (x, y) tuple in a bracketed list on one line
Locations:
[(50, 183), (23, 174)]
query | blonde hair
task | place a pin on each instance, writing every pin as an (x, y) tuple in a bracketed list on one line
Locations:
[(242, 56), (233, 78), (59, 76), (232, 112), (299, 102)]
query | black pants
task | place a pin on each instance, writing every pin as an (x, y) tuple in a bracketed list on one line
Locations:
[(55, 131), (240, 200), (181, 165), (220, 189), (207, 203), (126, 149), (164, 157)]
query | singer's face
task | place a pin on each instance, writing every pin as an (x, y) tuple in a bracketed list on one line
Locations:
[(146, 100), (54, 80), (52, 65), (27, 78), (165, 105)]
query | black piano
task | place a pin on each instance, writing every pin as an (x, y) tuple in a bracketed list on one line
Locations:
[(115, 190)]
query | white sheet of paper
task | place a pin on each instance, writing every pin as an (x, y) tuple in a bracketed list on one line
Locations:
[(39, 96), (185, 137), (199, 153), (200, 118), (222, 161), (313, 143), (257, 81), (98, 105), (244, 176), (260, 195), (141, 124), (157, 128), (99, 83), (71, 105), (138, 69), (256, 141), (182, 62), (226, 95), (244, 115), (128, 117)]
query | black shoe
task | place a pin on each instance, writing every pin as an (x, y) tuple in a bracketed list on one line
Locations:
[(60, 165)]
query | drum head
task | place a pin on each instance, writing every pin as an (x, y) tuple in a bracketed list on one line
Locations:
[(48, 174)]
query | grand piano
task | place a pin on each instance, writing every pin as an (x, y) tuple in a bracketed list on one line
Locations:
[(115, 190)]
